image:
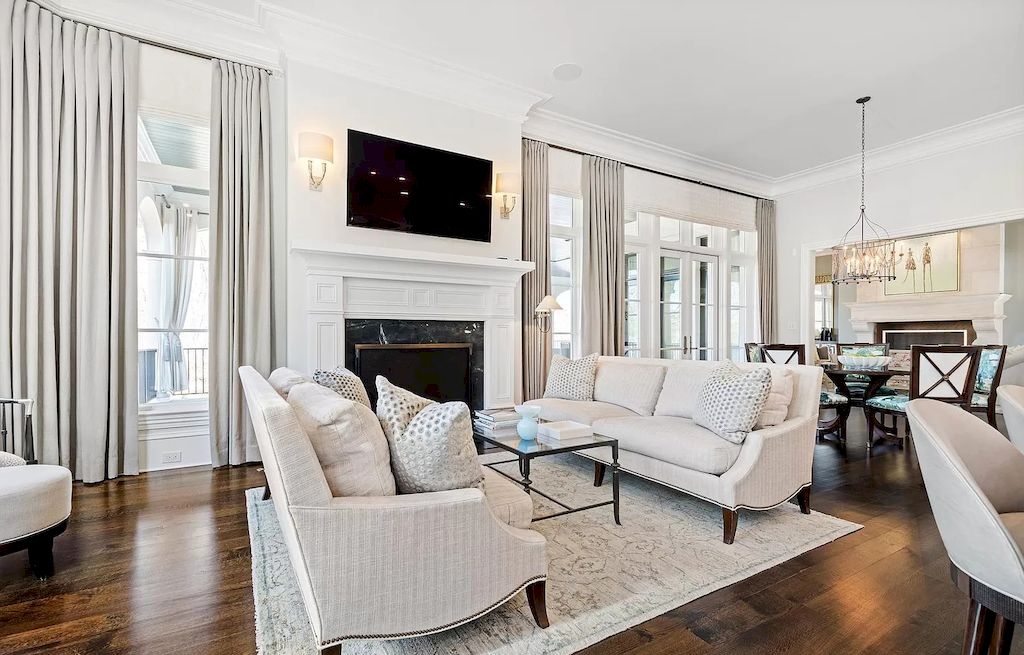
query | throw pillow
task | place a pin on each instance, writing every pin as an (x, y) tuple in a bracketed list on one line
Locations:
[(10, 459), (681, 388), (283, 379), (343, 382), (633, 386), (731, 400), (776, 406), (571, 379), (348, 441), (432, 446)]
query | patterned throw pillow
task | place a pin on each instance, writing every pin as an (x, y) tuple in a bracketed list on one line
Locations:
[(431, 443), (571, 379), (10, 459), (343, 382), (731, 400)]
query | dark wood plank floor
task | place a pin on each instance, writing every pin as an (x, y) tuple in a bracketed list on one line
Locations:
[(160, 564)]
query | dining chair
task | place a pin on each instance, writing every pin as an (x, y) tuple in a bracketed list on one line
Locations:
[(1011, 398), (753, 352), (858, 384), (783, 353), (971, 474), (944, 373), (990, 372)]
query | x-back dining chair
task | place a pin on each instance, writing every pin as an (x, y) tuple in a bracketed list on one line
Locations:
[(990, 373), (753, 352), (783, 353)]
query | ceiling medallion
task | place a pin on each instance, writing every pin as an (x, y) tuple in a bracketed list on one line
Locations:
[(872, 257)]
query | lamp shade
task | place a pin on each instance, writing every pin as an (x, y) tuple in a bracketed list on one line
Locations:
[(548, 304), (318, 147), (508, 183)]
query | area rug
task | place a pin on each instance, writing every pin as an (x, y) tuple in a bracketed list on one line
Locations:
[(602, 578)]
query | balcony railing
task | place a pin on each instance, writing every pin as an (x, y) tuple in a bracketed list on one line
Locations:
[(196, 365)]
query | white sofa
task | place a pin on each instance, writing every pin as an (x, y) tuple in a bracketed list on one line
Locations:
[(391, 567), (658, 439)]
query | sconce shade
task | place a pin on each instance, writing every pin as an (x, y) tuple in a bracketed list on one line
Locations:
[(507, 183), (548, 305), (317, 147)]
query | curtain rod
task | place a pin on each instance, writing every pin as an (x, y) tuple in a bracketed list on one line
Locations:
[(663, 173)]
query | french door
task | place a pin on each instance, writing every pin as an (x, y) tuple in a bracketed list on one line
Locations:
[(688, 305)]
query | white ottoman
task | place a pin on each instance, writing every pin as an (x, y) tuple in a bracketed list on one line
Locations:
[(35, 503)]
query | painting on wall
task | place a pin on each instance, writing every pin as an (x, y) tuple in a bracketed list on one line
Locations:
[(926, 264)]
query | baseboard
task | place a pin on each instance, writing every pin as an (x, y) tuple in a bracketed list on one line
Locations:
[(194, 450)]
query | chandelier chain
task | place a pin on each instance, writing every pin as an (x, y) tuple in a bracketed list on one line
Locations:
[(863, 110)]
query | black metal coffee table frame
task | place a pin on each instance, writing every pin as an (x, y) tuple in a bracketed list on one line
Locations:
[(523, 459)]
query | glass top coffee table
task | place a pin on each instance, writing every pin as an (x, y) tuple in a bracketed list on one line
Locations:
[(526, 451)]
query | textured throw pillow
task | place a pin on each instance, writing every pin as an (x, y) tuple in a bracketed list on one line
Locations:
[(731, 400), (431, 443), (343, 382), (776, 407), (283, 379), (681, 388), (633, 386), (10, 459), (571, 379), (348, 441)]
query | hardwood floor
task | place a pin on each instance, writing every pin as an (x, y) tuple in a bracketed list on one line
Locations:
[(160, 564)]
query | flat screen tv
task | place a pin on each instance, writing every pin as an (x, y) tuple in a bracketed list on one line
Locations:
[(400, 186)]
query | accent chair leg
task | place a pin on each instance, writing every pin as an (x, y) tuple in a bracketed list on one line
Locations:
[(332, 650), (803, 497), (978, 635), (599, 468), (730, 518), (40, 557), (1002, 636), (266, 492), (538, 603), (870, 416)]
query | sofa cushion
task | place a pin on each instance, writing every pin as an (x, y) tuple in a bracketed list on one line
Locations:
[(680, 390), (581, 411), (33, 498), (633, 386), (432, 447), (572, 379), (776, 406), (672, 439), (284, 378), (731, 400), (348, 441), (343, 382), (509, 503)]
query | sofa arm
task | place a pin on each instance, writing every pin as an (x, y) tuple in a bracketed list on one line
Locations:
[(773, 464), (409, 564)]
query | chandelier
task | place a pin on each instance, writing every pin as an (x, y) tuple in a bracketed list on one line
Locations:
[(872, 257)]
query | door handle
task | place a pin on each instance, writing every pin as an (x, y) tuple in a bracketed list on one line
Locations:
[(686, 345)]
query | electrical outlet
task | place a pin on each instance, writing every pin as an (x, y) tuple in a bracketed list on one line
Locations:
[(171, 457)]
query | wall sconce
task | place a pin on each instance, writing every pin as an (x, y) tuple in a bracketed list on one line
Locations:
[(543, 313), (507, 184), (317, 148)]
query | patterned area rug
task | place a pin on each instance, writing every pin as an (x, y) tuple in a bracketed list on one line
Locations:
[(602, 579)]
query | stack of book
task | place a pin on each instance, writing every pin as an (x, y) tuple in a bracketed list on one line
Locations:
[(495, 422)]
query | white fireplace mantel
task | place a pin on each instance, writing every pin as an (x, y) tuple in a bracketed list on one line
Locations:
[(363, 282), (985, 311)]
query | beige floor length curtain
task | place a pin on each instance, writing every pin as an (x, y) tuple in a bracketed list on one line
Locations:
[(536, 249), (67, 236), (604, 267), (764, 220), (240, 219)]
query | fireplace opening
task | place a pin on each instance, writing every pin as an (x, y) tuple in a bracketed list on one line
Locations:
[(439, 371)]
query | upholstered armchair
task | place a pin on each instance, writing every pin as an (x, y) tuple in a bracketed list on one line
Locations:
[(387, 567), (975, 483), (1011, 398)]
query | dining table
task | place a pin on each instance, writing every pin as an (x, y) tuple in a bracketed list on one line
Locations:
[(877, 378)]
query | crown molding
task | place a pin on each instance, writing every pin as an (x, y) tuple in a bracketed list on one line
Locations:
[(993, 127), (561, 130), (331, 47)]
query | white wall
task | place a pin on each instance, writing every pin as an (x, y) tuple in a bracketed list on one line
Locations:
[(978, 184), (1013, 283), (330, 103)]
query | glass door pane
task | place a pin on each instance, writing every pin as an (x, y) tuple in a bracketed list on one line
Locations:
[(671, 307), (632, 348), (703, 308)]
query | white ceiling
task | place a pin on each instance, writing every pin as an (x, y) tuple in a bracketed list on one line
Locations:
[(766, 86)]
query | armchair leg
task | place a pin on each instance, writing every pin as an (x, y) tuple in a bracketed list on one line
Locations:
[(538, 605), (730, 518), (40, 556), (332, 650), (978, 635), (803, 497), (1002, 636), (266, 492), (599, 468)]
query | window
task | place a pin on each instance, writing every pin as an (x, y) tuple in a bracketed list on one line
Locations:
[(564, 217), (632, 346), (823, 307), (173, 246), (738, 298), (704, 332)]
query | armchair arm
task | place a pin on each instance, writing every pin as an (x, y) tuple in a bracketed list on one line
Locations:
[(409, 564), (774, 464)]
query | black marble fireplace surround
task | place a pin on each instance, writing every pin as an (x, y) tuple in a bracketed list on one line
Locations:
[(401, 331)]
